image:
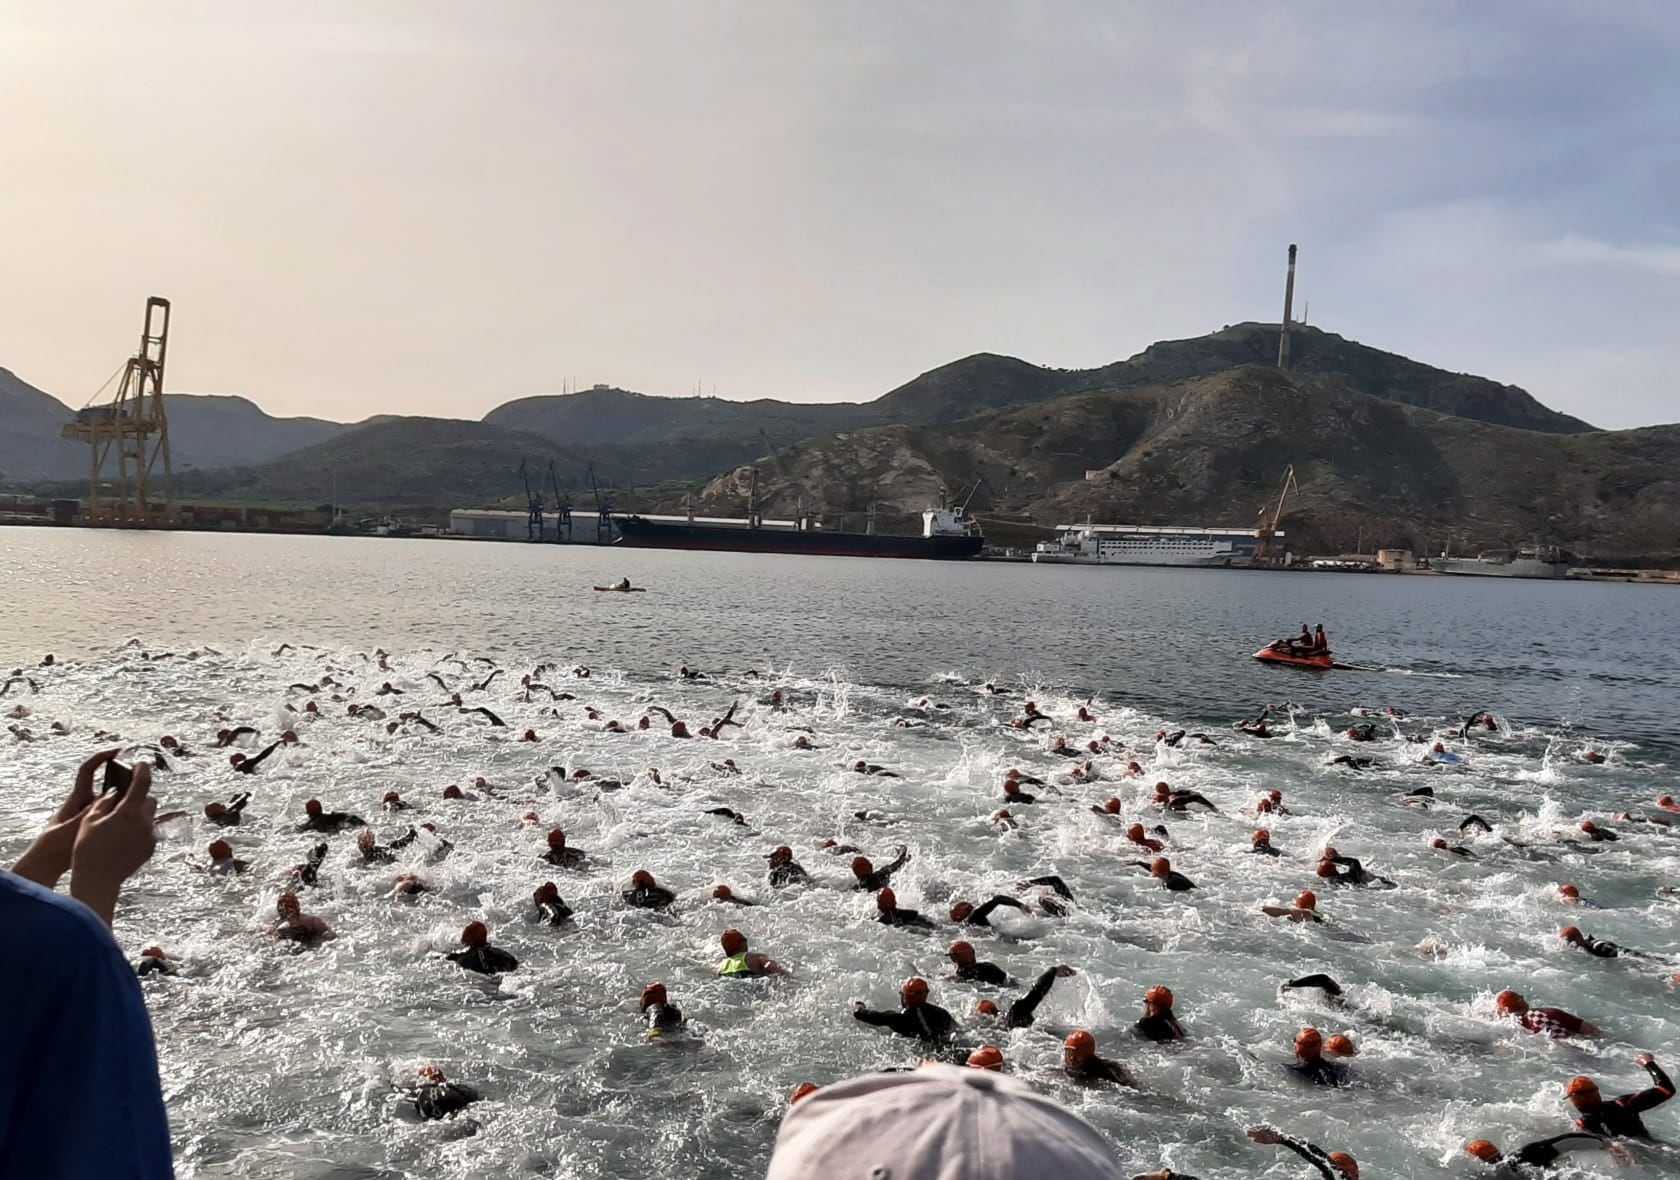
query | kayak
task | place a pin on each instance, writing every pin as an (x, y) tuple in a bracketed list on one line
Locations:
[(1272, 655), (621, 589)]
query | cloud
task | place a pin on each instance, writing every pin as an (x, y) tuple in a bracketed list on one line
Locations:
[(1573, 250)]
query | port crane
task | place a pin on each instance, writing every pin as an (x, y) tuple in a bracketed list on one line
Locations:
[(562, 507), (135, 427), (1267, 549), (533, 507), (603, 512)]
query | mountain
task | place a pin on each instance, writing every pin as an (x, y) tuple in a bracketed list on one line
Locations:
[(611, 417), (31, 447), (1212, 450)]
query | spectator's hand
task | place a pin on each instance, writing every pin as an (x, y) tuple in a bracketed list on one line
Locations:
[(116, 837), (48, 858)]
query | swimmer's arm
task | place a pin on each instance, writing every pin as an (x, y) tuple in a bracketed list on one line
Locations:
[(1657, 1094), (984, 911), (1053, 882)]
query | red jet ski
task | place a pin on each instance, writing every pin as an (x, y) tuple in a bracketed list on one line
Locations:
[(1281, 653)]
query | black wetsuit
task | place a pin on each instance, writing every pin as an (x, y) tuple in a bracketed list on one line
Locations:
[(1542, 1152), (1320, 981), (1023, 1011), (486, 960), (375, 855), (791, 873), (564, 858), (1184, 800), (650, 897), (1620, 1116), (554, 913), (308, 873), (1320, 1072), (898, 917), (1053, 883), (1159, 1028), (249, 765), (1019, 797), (1599, 835), (983, 973), (1603, 949), (1474, 821), (1314, 1155), (151, 965), (333, 821), (663, 1018), (929, 1022), (439, 1100), (982, 913), (879, 879), (231, 817), (1099, 1071), (1352, 763)]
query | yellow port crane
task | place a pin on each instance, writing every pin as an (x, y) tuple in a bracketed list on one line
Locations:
[(1267, 549), (135, 427)]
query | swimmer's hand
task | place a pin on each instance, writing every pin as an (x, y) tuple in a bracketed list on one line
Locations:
[(1264, 1135), (857, 1005), (48, 858), (1645, 1059), (115, 838), (1065, 973)]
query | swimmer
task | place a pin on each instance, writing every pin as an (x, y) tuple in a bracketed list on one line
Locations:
[(316, 820), (371, 852), (971, 970), (409, 885), (227, 814), (559, 855), (1136, 835), (1012, 794), (725, 894), (647, 894), (1331, 1165), (436, 1097), (476, 953), (729, 814), (495, 721), (663, 1017), (226, 737), (296, 926), (888, 913), (1173, 800), (1081, 1063), (1597, 947), (1474, 821), (1057, 886), (153, 962), (1110, 806), (870, 768), (1554, 1022), (245, 765), (784, 870), (1354, 874), (485, 683), (742, 963), (867, 876), (308, 873), (1482, 720), (1305, 909), (1317, 982), (1619, 1116), (916, 1018), (1597, 834), (222, 861), (964, 914), (440, 847), (1352, 763), (987, 1057), (1542, 1152), (1161, 869), (1362, 733), (1021, 1013), (1440, 845), (1158, 1022), (394, 802), (551, 910), (1310, 1062), (1261, 842)]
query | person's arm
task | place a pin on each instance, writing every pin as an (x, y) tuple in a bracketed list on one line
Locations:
[(48, 858), (1546, 1151), (984, 911), (765, 965), (902, 860), (1022, 1010), (1055, 883), (1312, 1153), (870, 1016), (115, 839), (1658, 1094)]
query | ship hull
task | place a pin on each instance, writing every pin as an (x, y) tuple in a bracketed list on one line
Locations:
[(1519, 568), (1168, 560), (647, 534)]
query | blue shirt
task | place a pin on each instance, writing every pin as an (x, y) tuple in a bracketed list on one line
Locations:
[(79, 1090)]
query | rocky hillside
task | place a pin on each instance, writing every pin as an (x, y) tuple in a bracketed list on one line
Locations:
[(31, 447), (1212, 451)]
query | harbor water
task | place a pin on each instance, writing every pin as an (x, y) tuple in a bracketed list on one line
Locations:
[(283, 1064)]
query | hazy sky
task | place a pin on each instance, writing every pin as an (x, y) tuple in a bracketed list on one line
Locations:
[(410, 207)]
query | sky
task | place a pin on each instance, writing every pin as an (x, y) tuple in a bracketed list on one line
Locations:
[(399, 206)]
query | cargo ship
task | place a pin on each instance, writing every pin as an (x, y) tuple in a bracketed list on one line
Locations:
[(948, 534), (1536, 562), (1150, 544)]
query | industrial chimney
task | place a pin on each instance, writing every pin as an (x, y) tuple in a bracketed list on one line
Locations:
[(1288, 307)]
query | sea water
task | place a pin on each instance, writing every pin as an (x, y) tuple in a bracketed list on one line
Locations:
[(279, 1063)]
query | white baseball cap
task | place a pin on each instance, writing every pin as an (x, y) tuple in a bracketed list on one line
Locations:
[(937, 1123)]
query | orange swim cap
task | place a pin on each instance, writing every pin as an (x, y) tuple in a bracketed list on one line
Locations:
[(1665, 801), (1112, 806), (914, 991), (1080, 1045), (1438, 842), (287, 903), (1160, 867), (986, 1057), (653, 993), (1340, 1046), (1306, 900), (475, 934), (547, 891), (861, 867), (452, 792), (886, 900), (1484, 1151), (1262, 836), (220, 850), (734, 942), (431, 1073), (312, 808), (212, 810), (802, 1090), (962, 953), (1588, 826), (642, 879), (557, 839), (1011, 787), (1264, 807), (1581, 1087), (1510, 1003), (1275, 796), (723, 893), (153, 952), (985, 1008), (391, 797), (1348, 1165), (1569, 933), (1569, 891), (1135, 832), (1309, 1040), (1159, 995), (961, 911)]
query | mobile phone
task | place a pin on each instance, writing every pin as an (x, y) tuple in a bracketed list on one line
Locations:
[(117, 778)]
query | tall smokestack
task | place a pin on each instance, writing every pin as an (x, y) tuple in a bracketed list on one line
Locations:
[(1288, 308)]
